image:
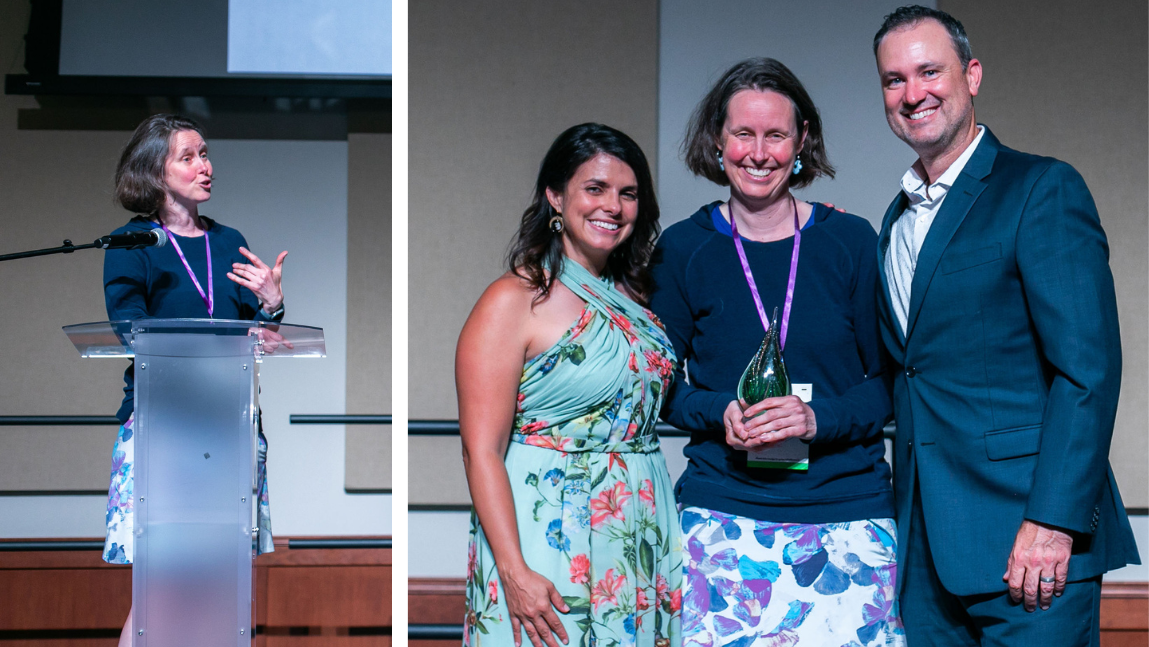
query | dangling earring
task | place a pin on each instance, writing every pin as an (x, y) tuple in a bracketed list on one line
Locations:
[(721, 166), (797, 165), (556, 224)]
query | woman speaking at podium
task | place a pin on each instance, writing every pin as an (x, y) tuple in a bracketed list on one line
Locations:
[(165, 174)]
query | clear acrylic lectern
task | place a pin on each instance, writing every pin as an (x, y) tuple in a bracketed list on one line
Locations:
[(196, 390)]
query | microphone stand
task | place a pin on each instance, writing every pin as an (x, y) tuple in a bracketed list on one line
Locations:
[(67, 248)]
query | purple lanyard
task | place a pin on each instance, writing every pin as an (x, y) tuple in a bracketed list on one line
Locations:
[(789, 284), (209, 298)]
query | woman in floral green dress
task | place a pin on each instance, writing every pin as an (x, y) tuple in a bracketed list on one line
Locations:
[(575, 533)]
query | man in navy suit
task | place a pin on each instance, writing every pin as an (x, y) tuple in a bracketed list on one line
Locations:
[(999, 314)]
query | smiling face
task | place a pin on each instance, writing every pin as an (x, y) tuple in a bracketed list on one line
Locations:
[(759, 143), (928, 97), (599, 206), (187, 169)]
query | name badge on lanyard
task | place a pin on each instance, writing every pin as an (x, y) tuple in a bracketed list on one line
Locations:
[(791, 453)]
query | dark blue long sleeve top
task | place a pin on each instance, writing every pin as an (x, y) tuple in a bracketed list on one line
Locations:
[(152, 283), (832, 343)]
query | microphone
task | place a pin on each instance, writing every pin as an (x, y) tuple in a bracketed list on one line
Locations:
[(135, 240)]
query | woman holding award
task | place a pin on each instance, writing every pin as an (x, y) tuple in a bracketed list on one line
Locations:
[(786, 500), (560, 375), (206, 271)]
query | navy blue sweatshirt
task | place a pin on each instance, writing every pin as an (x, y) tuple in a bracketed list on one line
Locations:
[(151, 283), (832, 342)]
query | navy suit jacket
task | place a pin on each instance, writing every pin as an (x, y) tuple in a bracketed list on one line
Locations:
[(1008, 374)]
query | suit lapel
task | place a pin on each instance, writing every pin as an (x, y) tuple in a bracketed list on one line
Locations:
[(957, 204), (895, 209)]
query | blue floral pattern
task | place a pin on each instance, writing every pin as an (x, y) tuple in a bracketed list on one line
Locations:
[(752, 582)]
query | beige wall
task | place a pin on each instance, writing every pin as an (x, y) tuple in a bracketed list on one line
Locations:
[(368, 459), (47, 184), (491, 87), (1068, 79)]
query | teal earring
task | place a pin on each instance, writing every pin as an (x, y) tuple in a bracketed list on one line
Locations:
[(721, 166), (797, 165)]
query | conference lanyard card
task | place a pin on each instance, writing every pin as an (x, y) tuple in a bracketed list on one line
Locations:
[(790, 454)]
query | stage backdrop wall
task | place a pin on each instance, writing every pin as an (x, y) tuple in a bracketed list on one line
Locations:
[(290, 195), (471, 81)]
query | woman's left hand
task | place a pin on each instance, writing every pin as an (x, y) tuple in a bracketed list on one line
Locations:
[(781, 418), (264, 281)]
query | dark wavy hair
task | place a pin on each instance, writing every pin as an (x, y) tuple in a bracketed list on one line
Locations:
[(705, 128), (140, 185), (537, 250), (912, 15)]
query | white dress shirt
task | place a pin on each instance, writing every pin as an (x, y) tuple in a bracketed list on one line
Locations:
[(910, 229)]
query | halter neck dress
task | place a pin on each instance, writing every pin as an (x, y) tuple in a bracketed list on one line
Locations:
[(593, 499)]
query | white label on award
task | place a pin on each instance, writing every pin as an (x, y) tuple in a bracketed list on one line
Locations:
[(790, 454), (805, 392)]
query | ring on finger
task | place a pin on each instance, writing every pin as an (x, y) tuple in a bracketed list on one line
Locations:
[(1046, 580)]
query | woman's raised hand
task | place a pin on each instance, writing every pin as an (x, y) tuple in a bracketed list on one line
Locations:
[(531, 603), (264, 281)]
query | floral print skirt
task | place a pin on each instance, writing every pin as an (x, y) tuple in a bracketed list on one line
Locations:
[(604, 529), (119, 540), (752, 582)]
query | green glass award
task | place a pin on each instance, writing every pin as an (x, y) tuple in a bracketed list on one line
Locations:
[(766, 376)]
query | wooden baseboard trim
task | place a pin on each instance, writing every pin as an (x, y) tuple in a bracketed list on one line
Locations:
[(1125, 590), (441, 601), (304, 589)]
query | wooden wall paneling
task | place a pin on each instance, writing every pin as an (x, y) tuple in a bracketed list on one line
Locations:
[(328, 641), (62, 642), (65, 599), (436, 601), (1125, 614), (62, 590), (326, 596), (304, 597), (327, 591), (259, 581)]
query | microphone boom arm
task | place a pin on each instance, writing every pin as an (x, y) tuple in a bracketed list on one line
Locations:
[(66, 248)]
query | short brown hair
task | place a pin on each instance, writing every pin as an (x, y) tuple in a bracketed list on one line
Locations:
[(705, 128), (140, 185), (913, 15)]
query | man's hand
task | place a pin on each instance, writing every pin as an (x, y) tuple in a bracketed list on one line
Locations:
[(1038, 564)]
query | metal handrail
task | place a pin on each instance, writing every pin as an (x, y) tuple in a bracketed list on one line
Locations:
[(50, 544), (58, 421), (339, 419), (334, 542), (89, 421), (435, 632)]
